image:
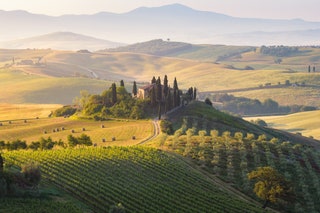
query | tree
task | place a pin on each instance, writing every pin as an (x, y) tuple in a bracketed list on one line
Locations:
[(176, 93), (195, 93), (270, 185), (309, 68), (165, 86), (121, 83), (83, 100), (153, 81), (134, 89), (314, 69), (114, 93), (159, 90), (1, 164), (72, 141), (168, 102), (32, 174), (207, 101), (84, 140)]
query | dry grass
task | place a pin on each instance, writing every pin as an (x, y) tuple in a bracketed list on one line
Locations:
[(34, 129), (25, 111), (19, 121)]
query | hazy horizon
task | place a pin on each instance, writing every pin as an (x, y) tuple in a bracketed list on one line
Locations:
[(272, 9)]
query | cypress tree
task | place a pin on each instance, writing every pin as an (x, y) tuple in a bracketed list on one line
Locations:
[(176, 93), (134, 89), (153, 81), (159, 90), (121, 83), (168, 103), (175, 84), (195, 93), (114, 93), (165, 86)]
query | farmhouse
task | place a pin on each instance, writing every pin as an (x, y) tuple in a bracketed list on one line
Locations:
[(144, 92)]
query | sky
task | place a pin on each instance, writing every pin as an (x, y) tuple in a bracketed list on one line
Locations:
[(272, 9)]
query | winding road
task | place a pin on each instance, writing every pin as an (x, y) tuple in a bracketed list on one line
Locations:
[(156, 131)]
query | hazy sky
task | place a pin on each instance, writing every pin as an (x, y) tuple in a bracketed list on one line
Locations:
[(275, 9)]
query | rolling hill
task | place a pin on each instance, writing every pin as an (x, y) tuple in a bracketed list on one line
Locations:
[(60, 41), (43, 74), (305, 123)]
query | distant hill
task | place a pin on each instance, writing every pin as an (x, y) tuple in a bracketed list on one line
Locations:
[(176, 22), (60, 41), (160, 47), (154, 47)]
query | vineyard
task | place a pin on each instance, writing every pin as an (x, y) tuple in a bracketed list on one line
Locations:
[(141, 179), (231, 156), (36, 205)]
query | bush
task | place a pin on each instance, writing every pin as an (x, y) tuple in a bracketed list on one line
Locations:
[(261, 122), (65, 111), (31, 173), (166, 127)]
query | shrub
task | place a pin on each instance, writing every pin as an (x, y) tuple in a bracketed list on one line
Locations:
[(166, 127), (31, 173), (65, 111), (261, 122)]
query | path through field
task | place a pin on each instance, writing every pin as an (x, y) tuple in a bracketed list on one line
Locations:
[(156, 131)]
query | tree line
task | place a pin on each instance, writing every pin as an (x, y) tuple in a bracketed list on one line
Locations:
[(279, 51), (46, 143), (247, 106)]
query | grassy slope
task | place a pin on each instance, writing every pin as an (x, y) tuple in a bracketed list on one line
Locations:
[(307, 123), (25, 111), (142, 179), (19, 87), (208, 118)]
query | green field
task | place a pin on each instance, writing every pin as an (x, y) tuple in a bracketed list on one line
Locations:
[(306, 123), (141, 179)]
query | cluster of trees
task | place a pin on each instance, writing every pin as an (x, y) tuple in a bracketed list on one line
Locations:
[(20, 183), (118, 102), (114, 102), (46, 143), (279, 51), (246, 106)]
